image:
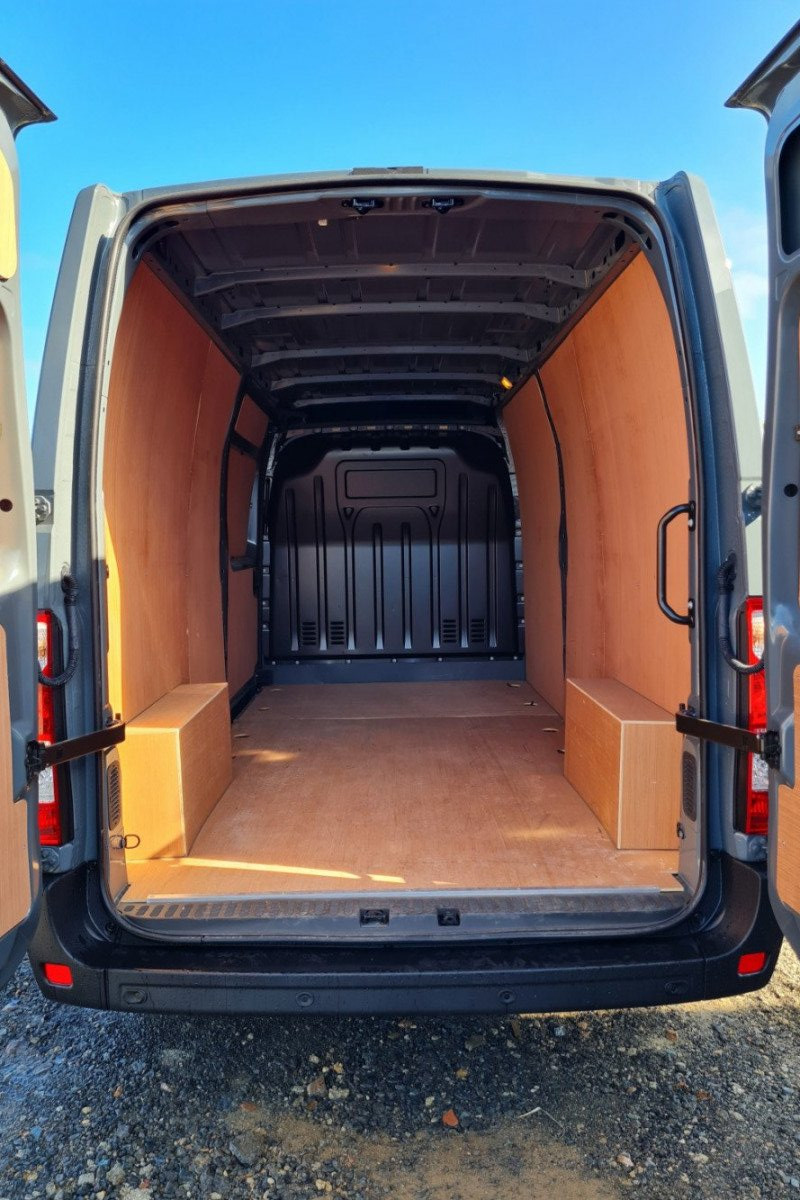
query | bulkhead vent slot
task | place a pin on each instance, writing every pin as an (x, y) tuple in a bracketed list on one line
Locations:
[(689, 786), (308, 633), (114, 786), (477, 631), (449, 631)]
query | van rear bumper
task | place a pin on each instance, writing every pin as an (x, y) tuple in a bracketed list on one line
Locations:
[(698, 960)]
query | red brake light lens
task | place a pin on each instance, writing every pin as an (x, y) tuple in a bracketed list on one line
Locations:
[(50, 817), (754, 814), (752, 964), (754, 617), (59, 974)]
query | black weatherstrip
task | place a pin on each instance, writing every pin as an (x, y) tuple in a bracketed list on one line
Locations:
[(223, 509), (563, 545)]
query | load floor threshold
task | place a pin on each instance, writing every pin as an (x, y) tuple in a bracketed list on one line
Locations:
[(383, 789), (407, 916)]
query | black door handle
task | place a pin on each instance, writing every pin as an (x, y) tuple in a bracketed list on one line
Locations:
[(661, 586)]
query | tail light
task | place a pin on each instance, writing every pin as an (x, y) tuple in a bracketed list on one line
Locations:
[(753, 800), (51, 824), (752, 963), (58, 974)]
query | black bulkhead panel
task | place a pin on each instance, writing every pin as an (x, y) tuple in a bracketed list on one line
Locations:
[(382, 549)]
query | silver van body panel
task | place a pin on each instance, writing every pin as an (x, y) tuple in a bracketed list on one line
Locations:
[(62, 456), (774, 90), (18, 107), (68, 437)]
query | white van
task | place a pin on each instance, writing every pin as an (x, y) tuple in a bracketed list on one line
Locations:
[(399, 627)]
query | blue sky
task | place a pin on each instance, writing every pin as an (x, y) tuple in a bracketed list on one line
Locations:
[(172, 92)]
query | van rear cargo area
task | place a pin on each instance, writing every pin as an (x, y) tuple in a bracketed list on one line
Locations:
[(381, 486), (380, 788)]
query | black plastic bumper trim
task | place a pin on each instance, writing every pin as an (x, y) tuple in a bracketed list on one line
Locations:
[(113, 968)]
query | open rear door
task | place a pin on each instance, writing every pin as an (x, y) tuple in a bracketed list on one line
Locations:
[(19, 867), (774, 90)]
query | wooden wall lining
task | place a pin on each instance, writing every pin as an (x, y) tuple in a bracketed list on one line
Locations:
[(170, 398), (786, 822), (537, 486), (242, 629), (615, 394), (251, 422), (242, 471), (206, 653)]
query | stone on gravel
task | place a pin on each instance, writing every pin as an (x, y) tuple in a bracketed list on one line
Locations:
[(115, 1174), (246, 1148)]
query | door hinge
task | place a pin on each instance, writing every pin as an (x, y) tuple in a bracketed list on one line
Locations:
[(40, 755), (767, 744)]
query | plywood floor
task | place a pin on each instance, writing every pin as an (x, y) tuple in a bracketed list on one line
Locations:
[(387, 787)]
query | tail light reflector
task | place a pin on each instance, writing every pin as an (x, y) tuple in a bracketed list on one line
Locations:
[(50, 810), (754, 804), (752, 964), (59, 974)]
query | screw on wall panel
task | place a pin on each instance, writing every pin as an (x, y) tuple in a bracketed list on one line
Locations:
[(42, 508), (797, 433), (751, 502)]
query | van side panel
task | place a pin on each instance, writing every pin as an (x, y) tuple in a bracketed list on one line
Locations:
[(615, 394), (206, 660), (536, 469), (170, 399)]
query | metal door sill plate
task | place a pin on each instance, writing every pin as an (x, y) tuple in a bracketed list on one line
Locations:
[(383, 917)]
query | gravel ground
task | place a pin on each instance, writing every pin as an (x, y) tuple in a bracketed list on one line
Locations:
[(690, 1101)]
